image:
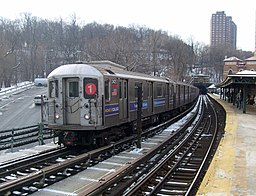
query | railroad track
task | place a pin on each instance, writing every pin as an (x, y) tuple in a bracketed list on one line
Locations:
[(182, 169), (175, 167), (113, 168), (9, 168), (12, 172), (133, 163)]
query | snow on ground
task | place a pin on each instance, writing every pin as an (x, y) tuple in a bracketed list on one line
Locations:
[(175, 126), (6, 155), (6, 92)]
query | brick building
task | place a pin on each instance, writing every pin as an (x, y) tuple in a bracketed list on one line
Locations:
[(233, 65)]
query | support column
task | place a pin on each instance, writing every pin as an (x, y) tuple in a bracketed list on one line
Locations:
[(244, 99), (229, 95), (234, 96)]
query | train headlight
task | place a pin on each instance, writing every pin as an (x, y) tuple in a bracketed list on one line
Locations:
[(57, 116), (87, 116)]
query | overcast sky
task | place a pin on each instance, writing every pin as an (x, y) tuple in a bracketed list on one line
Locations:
[(189, 19)]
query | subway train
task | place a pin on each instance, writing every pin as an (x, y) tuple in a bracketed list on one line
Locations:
[(95, 103)]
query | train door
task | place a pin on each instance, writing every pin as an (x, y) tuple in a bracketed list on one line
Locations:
[(150, 97), (188, 94), (178, 95), (167, 96), (123, 99), (184, 95), (171, 96), (71, 101), (175, 96)]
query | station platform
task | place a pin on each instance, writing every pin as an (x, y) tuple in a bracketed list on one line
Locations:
[(233, 169)]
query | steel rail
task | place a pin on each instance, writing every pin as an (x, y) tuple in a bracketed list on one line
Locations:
[(208, 153), (174, 152), (42, 174), (103, 185), (21, 163)]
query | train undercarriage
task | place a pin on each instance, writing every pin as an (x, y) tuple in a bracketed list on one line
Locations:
[(96, 138)]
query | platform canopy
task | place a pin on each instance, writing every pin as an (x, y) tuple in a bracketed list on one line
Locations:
[(241, 78), (244, 81)]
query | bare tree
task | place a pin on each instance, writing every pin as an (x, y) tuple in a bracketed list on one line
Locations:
[(32, 47), (9, 35), (179, 56)]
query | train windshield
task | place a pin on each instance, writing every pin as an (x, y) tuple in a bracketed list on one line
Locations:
[(53, 89), (73, 89)]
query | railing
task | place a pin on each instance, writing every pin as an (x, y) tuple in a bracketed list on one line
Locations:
[(16, 88), (17, 137)]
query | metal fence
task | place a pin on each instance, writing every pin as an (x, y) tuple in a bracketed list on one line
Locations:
[(21, 136)]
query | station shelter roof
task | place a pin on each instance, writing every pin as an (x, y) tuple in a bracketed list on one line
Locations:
[(243, 80), (245, 77)]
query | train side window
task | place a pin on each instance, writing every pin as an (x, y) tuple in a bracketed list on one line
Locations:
[(107, 90), (145, 90), (159, 90), (73, 89), (137, 85), (150, 90), (171, 90)]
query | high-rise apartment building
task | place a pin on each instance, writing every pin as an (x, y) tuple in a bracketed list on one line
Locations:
[(223, 31)]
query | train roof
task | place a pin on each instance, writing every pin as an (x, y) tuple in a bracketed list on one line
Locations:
[(75, 70), (182, 83), (96, 68), (106, 64), (113, 69)]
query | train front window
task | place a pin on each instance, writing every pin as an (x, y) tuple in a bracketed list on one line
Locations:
[(90, 88), (53, 89), (73, 89), (56, 88)]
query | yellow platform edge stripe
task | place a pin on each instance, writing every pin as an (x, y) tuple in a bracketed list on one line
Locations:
[(218, 179)]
